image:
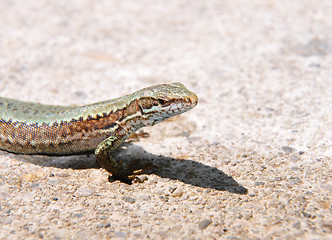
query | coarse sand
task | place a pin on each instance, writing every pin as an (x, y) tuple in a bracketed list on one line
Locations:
[(251, 161)]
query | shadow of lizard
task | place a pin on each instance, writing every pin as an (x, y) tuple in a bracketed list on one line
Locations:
[(135, 157)]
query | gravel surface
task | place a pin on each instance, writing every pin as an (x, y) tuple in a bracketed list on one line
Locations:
[(251, 161)]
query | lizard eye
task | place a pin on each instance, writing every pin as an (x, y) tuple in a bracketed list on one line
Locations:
[(161, 101)]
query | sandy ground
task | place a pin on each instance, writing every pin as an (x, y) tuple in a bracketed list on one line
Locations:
[(251, 161)]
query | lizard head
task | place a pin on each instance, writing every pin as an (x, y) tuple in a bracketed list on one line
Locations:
[(163, 101)]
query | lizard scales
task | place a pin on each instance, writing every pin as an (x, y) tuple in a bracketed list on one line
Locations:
[(33, 128)]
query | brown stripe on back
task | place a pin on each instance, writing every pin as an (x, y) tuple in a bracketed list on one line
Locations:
[(67, 137)]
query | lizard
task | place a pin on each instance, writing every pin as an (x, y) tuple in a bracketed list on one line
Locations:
[(34, 128)]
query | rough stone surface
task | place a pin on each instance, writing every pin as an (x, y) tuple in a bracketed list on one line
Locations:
[(251, 161)]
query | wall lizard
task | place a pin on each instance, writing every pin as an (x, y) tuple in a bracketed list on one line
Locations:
[(33, 128)]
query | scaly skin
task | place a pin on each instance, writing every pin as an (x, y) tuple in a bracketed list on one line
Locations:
[(32, 128)]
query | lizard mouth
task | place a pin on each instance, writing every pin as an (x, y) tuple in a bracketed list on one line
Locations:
[(178, 106)]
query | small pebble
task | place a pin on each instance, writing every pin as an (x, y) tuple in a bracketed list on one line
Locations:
[(178, 192), (172, 189), (327, 226), (63, 175), (294, 158), (294, 181), (259, 183), (142, 178), (78, 215), (135, 224), (28, 177), (297, 225), (144, 197), (120, 234), (54, 182), (129, 199), (100, 225), (307, 215), (204, 224), (247, 215), (84, 192), (327, 187), (288, 149)]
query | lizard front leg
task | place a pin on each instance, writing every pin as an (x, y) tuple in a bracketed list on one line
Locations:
[(106, 161)]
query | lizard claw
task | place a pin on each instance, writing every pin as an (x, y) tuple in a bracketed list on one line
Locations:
[(127, 176), (134, 176)]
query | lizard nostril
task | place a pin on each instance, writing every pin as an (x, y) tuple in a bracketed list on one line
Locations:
[(193, 99)]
